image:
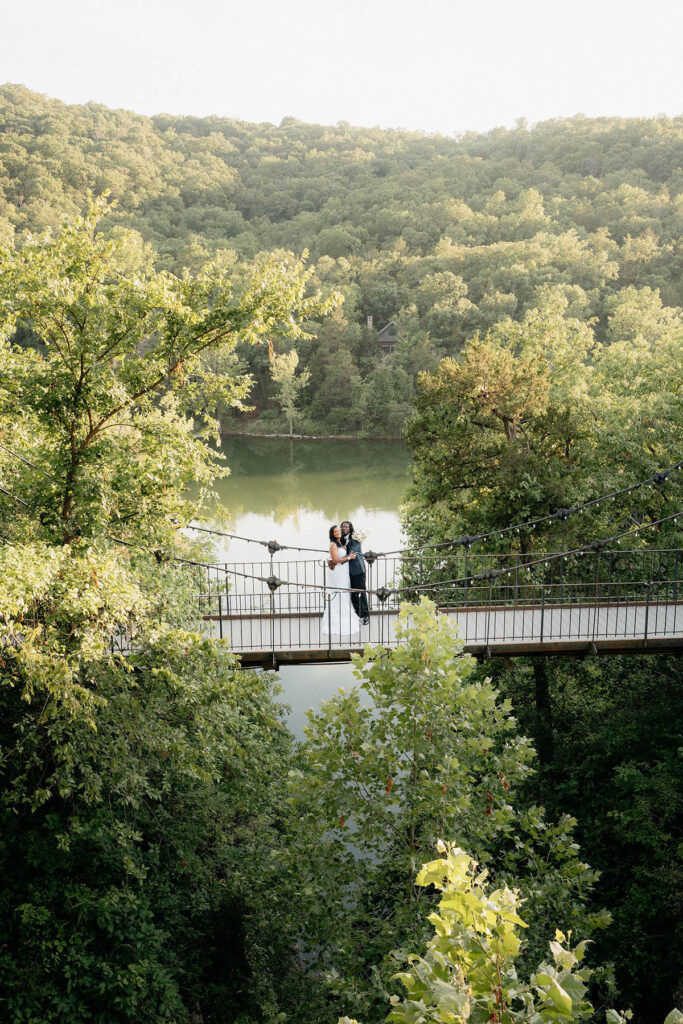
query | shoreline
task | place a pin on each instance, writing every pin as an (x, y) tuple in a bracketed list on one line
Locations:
[(313, 437)]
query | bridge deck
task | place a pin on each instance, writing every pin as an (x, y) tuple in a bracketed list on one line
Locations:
[(262, 638)]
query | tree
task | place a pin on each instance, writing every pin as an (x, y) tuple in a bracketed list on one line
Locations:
[(468, 969), (138, 802), (334, 374), (141, 770), (537, 417), (494, 434), (283, 371), (421, 749), (116, 374), (383, 400), (616, 741)]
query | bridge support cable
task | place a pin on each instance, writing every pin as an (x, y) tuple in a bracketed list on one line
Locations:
[(274, 582), (561, 515), (597, 598)]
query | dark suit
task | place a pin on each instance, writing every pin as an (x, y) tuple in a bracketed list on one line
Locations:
[(357, 577)]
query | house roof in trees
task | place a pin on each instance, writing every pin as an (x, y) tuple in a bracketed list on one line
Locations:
[(388, 336)]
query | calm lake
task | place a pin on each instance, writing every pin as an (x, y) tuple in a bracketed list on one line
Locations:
[(292, 492)]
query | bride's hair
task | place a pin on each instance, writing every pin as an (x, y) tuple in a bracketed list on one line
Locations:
[(333, 539)]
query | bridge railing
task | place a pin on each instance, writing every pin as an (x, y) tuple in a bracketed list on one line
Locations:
[(533, 598), (518, 574), (239, 588)]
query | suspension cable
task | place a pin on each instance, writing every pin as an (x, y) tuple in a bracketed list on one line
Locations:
[(593, 546), (14, 497), (272, 545), (231, 572), (27, 462), (273, 582), (562, 515)]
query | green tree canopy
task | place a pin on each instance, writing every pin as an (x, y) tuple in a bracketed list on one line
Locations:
[(109, 385), (538, 417), (422, 748)]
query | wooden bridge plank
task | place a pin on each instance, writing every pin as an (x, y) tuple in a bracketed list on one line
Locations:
[(500, 631)]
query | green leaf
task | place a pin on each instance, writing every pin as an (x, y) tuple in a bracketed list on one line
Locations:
[(433, 873), (559, 997)]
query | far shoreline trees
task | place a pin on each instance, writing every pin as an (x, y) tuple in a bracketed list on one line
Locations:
[(283, 371), (448, 237)]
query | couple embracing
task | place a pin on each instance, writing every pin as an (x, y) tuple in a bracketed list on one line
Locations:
[(348, 602)]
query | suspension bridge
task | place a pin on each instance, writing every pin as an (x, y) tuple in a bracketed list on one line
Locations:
[(595, 598), (609, 601)]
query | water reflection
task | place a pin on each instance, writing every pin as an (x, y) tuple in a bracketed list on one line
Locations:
[(281, 478), (304, 686), (293, 490)]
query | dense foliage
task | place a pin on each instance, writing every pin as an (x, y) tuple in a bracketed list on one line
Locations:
[(142, 771), (468, 972), (609, 731), (446, 236), (165, 853), (469, 968), (135, 820), (421, 749), (537, 417), (110, 381), (533, 419)]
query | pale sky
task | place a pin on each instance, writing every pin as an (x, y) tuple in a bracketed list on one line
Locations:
[(434, 65)]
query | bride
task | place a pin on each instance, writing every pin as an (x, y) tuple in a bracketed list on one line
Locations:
[(339, 620)]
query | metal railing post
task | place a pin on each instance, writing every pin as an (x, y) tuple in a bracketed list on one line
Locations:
[(675, 594), (488, 614), (466, 582), (329, 624), (542, 613), (596, 593), (220, 616)]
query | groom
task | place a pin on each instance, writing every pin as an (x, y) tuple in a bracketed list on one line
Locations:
[(356, 572)]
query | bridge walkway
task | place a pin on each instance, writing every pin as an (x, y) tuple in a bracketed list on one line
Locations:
[(609, 602)]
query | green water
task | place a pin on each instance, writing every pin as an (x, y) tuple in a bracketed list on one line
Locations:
[(293, 491), (278, 478)]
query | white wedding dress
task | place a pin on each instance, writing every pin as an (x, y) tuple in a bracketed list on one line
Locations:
[(339, 620)]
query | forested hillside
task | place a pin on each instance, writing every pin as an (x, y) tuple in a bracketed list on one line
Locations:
[(448, 237), (168, 853)]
